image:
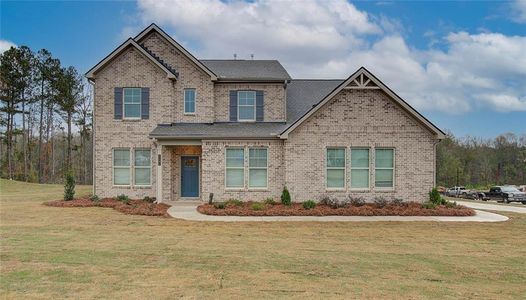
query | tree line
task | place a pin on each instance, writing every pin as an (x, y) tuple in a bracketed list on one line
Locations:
[(46, 130), (46, 118)]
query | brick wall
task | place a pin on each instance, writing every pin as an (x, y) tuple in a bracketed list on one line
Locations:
[(360, 118)]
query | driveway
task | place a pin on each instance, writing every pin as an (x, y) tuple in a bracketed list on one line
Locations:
[(495, 207)]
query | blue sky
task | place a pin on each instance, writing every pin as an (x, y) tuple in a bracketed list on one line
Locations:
[(461, 64)]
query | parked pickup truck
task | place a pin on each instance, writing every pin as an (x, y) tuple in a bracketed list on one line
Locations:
[(460, 191), (506, 194)]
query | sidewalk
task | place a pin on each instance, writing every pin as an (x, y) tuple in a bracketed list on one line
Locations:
[(189, 212)]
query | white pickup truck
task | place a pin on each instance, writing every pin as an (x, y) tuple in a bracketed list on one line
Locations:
[(460, 191)]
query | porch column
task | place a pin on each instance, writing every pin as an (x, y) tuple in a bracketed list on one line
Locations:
[(159, 179)]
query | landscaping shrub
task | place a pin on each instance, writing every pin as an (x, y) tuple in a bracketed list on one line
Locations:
[(450, 204), (435, 198), (234, 202), (355, 201), (270, 201), (219, 205), (123, 198), (429, 205), (380, 201), (333, 202), (94, 198), (285, 197), (309, 204), (148, 199), (397, 201), (69, 186), (257, 206)]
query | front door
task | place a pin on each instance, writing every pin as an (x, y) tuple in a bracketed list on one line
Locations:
[(189, 176)]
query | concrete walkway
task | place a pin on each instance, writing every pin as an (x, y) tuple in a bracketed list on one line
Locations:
[(189, 212), (482, 205)]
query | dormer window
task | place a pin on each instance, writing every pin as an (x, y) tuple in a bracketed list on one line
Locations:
[(246, 106), (132, 103)]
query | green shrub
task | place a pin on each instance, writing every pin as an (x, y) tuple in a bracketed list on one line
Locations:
[(435, 198), (69, 186), (123, 198), (285, 197), (148, 199), (94, 198), (270, 201), (309, 204), (219, 205), (429, 205), (234, 202), (450, 204), (257, 206)]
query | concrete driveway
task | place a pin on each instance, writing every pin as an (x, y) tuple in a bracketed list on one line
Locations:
[(495, 207)]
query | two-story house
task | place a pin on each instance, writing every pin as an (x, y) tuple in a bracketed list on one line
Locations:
[(175, 127)]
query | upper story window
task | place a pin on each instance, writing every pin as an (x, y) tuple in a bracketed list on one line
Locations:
[(189, 101), (246, 106), (132, 103)]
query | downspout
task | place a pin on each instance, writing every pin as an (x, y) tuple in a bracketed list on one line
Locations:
[(435, 161), (93, 189)]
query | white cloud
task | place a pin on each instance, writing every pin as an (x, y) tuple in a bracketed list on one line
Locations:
[(5, 45), (519, 11), (331, 39)]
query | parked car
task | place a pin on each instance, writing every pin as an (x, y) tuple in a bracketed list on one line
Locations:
[(506, 194)]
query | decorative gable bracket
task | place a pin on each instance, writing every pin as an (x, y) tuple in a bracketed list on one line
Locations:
[(362, 82)]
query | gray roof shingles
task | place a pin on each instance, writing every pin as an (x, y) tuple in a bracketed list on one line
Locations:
[(238, 69), (302, 94)]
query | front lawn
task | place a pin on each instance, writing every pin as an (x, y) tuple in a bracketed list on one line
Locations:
[(49, 252)]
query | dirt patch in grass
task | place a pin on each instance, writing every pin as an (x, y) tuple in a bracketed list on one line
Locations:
[(132, 207), (368, 209)]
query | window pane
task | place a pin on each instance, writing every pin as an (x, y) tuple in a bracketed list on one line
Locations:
[(258, 178), (234, 158), (359, 158), (383, 158), (121, 176), (132, 110), (142, 176), (121, 157), (257, 158), (336, 158), (132, 95), (246, 112), (246, 98), (142, 158), (189, 101), (383, 178), (234, 177), (335, 178), (359, 178)]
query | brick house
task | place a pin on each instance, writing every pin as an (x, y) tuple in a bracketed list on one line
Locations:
[(174, 127)]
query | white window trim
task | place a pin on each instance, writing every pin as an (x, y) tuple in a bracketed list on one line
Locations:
[(327, 168), (257, 168), (124, 104), (184, 102), (142, 167), (235, 168), (246, 120), (360, 168), (393, 168), (113, 167)]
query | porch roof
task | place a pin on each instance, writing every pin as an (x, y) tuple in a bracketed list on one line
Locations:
[(219, 130)]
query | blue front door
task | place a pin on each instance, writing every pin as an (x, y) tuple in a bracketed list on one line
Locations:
[(190, 176)]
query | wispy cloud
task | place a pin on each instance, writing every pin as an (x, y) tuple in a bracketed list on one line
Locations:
[(519, 11), (5, 45)]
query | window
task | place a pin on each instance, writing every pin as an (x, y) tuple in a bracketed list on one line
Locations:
[(246, 105), (257, 168), (142, 167), (359, 168), (121, 166), (384, 168), (132, 103), (189, 101), (336, 168), (235, 171)]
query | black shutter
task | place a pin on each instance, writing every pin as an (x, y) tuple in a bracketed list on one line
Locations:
[(233, 106), (145, 103), (117, 103), (260, 107)]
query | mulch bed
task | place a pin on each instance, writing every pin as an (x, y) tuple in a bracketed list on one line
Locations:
[(133, 207), (368, 209)]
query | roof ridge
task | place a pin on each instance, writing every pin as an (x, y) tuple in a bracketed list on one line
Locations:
[(317, 79)]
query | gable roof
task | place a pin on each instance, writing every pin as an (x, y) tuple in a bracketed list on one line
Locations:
[(170, 72), (199, 64), (246, 70), (363, 79)]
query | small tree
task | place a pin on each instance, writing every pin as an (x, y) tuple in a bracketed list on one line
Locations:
[(285, 197), (435, 198), (69, 186)]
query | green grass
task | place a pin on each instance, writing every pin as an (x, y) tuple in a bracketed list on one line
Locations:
[(49, 252)]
